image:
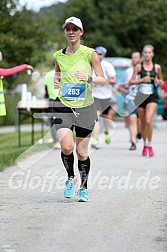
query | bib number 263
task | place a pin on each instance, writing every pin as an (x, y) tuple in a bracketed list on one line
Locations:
[(72, 91)]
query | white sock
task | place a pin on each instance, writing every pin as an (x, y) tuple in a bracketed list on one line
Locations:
[(149, 143)]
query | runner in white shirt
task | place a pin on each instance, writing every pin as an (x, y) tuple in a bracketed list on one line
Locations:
[(132, 117), (103, 94)]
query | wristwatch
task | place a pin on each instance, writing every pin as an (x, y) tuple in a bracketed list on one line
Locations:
[(89, 79)]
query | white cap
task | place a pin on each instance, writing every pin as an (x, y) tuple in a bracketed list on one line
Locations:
[(73, 20), (101, 50)]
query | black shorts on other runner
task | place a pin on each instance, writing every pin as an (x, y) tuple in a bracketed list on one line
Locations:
[(142, 100), (103, 105), (83, 119)]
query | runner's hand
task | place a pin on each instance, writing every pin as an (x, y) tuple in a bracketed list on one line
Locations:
[(81, 76), (146, 79), (30, 67)]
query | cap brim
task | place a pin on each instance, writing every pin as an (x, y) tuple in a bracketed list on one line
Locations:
[(64, 25)]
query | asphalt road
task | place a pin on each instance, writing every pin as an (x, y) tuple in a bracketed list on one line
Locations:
[(127, 211)]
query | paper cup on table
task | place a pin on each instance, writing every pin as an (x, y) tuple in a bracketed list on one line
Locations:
[(24, 94)]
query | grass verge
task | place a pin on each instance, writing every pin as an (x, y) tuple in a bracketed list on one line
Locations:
[(9, 150)]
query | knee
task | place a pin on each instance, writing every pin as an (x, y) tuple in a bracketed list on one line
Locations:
[(133, 121), (81, 154), (67, 149), (148, 122)]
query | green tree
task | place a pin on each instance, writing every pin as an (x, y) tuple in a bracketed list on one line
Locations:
[(22, 40), (123, 26), (120, 26)]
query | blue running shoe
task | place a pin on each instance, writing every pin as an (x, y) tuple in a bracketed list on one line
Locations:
[(82, 195), (69, 189)]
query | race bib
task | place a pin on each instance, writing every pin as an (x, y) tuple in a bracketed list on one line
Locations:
[(146, 88), (72, 91)]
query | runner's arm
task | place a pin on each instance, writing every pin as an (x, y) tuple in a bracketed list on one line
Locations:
[(137, 81), (158, 80), (14, 70), (99, 75)]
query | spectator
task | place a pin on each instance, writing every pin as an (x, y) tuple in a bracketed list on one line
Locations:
[(4, 73)]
